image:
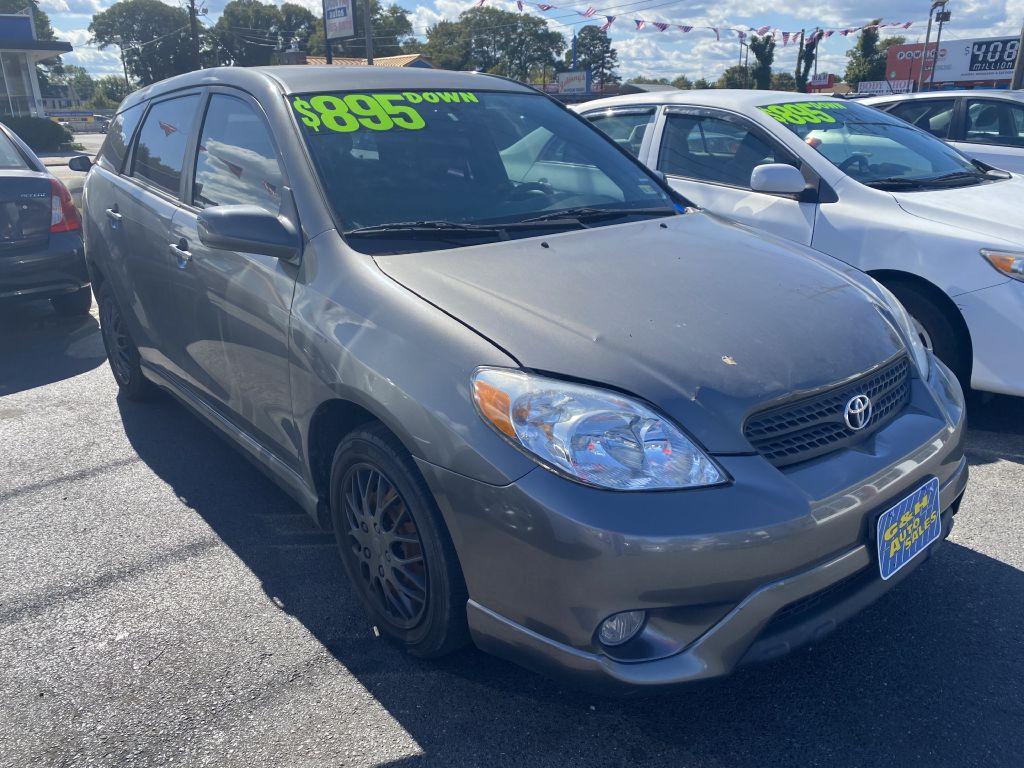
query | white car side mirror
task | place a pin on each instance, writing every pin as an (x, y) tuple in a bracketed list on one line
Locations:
[(777, 179)]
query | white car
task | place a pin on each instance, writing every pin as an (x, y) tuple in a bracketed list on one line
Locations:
[(939, 230), (987, 125)]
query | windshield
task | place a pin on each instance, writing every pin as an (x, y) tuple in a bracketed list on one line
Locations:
[(875, 148), (421, 170), (10, 157)]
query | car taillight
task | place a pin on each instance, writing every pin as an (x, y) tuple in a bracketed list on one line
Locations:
[(63, 214)]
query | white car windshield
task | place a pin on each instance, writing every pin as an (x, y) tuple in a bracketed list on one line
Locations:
[(422, 170), (874, 148)]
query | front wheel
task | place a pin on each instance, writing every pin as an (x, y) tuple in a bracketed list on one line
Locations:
[(122, 354), (394, 545), (938, 332)]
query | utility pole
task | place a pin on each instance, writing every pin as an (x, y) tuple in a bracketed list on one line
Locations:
[(193, 30), (368, 28), (1018, 67), (327, 39), (119, 41), (927, 43), (943, 17)]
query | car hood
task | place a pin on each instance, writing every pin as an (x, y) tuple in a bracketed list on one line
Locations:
[(990, 210), (699, 317)]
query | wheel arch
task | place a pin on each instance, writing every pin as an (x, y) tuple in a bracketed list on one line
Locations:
[(939, 297)]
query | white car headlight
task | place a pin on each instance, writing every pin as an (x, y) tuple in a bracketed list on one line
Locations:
[(908, 329), (590, 435), (1009, 263)]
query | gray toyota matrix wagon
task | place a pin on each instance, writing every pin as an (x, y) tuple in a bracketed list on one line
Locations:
[(543, 402)]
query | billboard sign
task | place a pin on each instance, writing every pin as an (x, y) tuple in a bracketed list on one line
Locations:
[(956, 61), (339, 18), (577, 81)]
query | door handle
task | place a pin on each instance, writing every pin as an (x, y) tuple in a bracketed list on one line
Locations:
[(113, 215), (181, 252)]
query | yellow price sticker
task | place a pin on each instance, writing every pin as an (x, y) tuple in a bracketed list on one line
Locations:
[(372, 111)]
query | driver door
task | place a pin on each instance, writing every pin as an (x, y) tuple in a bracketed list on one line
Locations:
[(708, 157)]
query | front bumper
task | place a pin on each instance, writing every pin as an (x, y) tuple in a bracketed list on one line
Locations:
[(995, 318), (59, 267), (726, 575)]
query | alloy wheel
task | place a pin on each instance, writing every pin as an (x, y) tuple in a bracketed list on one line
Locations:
[(117, 341), (384, 542)]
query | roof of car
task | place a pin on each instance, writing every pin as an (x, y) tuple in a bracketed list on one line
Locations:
[(304, 79), (709, 97), (982, 93)]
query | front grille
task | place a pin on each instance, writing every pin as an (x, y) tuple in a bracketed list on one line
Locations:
[(815, 425)]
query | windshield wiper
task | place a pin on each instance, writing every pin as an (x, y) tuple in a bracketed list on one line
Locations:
[(588, 213), (440, 225), (897, 182), (956, 176)]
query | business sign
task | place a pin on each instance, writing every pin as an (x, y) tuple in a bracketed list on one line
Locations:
[(954, 61), (573, 82), (339, 18), (823, 81), (882, 87)]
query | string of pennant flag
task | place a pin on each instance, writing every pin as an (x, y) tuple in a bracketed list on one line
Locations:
[(741, 32)]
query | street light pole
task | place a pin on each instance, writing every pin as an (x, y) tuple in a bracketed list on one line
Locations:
[(368, 28), (1018, 67), (943, 17)]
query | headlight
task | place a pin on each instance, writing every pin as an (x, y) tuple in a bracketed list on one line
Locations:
[(908, 329), (1009, 263), (590, 435)]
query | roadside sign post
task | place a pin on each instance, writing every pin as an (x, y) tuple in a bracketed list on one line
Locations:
[(1017, 81), (339, 23)]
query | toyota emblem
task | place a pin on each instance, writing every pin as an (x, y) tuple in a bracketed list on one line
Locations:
[(858, 412)]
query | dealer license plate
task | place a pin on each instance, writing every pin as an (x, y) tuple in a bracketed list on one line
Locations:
[(906, 530)]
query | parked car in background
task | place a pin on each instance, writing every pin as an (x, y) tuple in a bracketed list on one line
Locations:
[(942, 232), (541, 400), (41, 254), (986, 125)]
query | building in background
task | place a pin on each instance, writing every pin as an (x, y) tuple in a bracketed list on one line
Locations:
[(405, 60), (985, 62), (20, 51)]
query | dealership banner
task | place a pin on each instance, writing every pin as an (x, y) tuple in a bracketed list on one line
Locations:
[(339, 19)]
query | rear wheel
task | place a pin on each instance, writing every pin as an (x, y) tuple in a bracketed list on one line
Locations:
[(74, 304), (122, 354), (394, 545), (938, 332)]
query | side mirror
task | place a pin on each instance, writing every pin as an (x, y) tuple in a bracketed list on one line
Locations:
[(777, 179), (250, 229), (80, 163)]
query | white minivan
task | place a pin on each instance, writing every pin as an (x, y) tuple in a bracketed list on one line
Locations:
[(942, 232)]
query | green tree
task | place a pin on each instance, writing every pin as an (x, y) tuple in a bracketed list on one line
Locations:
[(702, 84), (641, 80), (447, 45), (109, 91), (392, 33), (736, 76), (154, 36), (682, 83), (510, 44), (78, 79), (297, 22), (805, 60), (783, 81), (594, 51), (867, 58), (246, 34), (763, 49)]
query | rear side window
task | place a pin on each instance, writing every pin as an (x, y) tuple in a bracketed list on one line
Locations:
[(714, 150), (932, 115), (163, 138), (119, 136), (10, 157), (627, 129), (995, 122), (235, 161)]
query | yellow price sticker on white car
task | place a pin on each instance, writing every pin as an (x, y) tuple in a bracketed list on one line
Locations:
[(372, 111)]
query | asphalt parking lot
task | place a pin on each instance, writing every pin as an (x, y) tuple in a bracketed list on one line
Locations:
[(163, 603)]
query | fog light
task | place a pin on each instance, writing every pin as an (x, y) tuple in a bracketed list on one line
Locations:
[(620, 628)]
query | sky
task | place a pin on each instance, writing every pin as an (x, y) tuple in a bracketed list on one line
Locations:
[(648, 52)]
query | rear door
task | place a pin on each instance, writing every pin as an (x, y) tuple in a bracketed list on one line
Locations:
[(146, 199), (709, 155), (236, 304)]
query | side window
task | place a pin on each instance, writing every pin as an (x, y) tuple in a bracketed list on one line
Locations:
[(119, 136), (627, 129), (714, 150), (995, 122), (560, 151), (932, 115), (160, 151), (235, 161)]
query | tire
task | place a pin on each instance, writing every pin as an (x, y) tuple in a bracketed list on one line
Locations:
[(429, 621), (122, 354), (940, 332), (77, 304)]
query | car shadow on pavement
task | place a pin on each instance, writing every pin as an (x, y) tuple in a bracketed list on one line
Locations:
[(930, 675), (38, 346), (996, 428)]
